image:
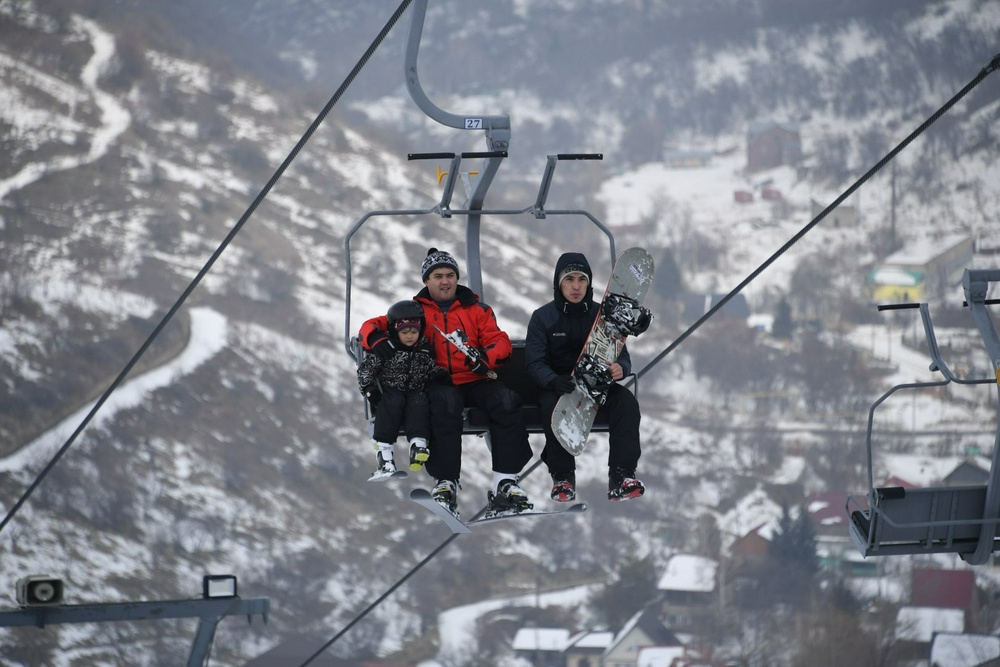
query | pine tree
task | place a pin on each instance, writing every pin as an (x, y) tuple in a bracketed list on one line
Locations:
[(792, 556), (783, 327)]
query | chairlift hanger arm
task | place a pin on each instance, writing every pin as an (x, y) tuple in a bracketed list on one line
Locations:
[(976, 285), (497, 127)]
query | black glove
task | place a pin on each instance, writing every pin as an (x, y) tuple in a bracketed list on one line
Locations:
[(373, 394), (441, 376), (384, 348), (476, 361), (562, 383)]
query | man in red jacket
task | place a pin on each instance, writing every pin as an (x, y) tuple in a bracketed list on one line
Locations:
[(449, 306)]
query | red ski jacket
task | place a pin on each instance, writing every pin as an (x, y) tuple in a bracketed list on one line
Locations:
[(467, 313)]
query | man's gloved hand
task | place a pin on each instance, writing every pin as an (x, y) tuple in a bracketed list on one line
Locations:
[(441, 376), (562, 383), (476, 361)]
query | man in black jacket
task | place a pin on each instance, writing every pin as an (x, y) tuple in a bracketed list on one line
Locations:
[(557, 333)]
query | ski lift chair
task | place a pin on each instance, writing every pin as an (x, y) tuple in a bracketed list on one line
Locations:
[(513, 372), (949, 519), (498, 135)]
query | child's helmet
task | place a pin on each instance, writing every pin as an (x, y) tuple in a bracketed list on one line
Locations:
[(403, 315)]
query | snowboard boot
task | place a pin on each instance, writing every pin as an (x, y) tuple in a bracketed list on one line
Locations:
[(563, 486), (508, 499), (418, 454), (445, 493), (622, 485)]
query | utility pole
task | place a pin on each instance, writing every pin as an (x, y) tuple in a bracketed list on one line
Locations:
[(892, 210)]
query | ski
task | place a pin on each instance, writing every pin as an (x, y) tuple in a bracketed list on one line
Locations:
[(572, 509), (423, 498)]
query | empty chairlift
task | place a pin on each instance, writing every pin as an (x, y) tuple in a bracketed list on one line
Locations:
[(960, 519)]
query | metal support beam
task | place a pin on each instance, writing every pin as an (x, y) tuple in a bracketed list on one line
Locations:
[(976, 286), (210, 611)]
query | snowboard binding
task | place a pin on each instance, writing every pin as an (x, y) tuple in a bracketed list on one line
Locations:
[(625, 314), (594, 376)]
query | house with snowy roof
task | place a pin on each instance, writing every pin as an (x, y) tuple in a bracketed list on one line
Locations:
[(585, 649), (688, 588), (950, 649), (541, 646), (921, 269), (642, 630), (973, 471), (916, 628)]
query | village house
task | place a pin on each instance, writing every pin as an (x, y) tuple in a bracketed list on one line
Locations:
[(772, 144), (688, 590)]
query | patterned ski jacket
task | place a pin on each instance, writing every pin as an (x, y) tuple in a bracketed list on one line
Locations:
[(467, 313), (409, 369)]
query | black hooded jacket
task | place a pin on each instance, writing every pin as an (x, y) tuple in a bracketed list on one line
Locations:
[(558, 330)]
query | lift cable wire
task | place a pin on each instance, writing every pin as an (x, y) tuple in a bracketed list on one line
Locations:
[(413, 571), (993, 65), (215, 256)]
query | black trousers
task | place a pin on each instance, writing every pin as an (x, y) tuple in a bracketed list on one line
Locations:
[(510, 447), (407, 409), (622, 412)]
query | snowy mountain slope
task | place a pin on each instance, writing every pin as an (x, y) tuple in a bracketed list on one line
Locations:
[(253, 462)]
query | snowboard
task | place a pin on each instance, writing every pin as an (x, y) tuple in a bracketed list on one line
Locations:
[(574, 414), (423, 498)]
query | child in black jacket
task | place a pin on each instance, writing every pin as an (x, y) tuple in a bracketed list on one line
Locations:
[(394, 377)]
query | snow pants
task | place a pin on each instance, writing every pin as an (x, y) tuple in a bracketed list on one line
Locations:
[(622, 412), (397, 409), (510, 447)]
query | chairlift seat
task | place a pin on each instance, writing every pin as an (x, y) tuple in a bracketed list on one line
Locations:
[(515, 376), (924, 520)]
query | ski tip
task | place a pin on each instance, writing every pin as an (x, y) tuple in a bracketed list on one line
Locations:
[(420, 494), (579, 507)]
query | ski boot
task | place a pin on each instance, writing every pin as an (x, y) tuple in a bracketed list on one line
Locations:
[(563, 486), (386, 468), (622, 485), (418, 454), (508, 499), (445, 493)]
